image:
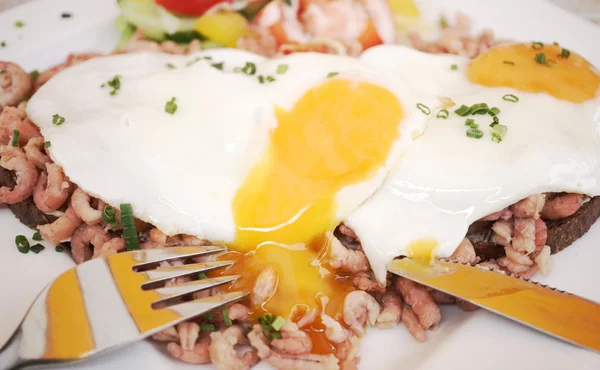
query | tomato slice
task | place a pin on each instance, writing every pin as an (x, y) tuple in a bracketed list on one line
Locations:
[(189, 7)]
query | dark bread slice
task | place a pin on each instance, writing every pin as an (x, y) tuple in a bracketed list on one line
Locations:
[(25, 211), (561, 233)]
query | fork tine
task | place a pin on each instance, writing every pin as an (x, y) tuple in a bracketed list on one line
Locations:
[(164, 274), (192, 287), (149, 257), (197, 307)]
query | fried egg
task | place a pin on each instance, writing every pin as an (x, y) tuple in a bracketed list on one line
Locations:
[(447, 179), (264, 156)]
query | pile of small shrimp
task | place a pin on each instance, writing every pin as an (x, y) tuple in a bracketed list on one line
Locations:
[(520, 229)]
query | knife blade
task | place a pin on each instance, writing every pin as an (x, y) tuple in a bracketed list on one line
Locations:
[(560, 314)]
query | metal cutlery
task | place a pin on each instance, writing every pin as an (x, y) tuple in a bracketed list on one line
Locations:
[(110, 302)]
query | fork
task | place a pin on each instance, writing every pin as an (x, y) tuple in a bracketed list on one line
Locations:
[(111, 302)]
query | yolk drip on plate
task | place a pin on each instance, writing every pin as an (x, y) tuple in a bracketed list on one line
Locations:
[(537, 68), (337, 134)]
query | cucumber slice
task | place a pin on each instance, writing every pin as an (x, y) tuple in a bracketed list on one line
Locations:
[(153, 19)]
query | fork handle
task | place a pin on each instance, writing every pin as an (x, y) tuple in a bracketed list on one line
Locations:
[(9, 354)]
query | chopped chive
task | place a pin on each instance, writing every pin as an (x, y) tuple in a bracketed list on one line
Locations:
[(540, 58), (443, 22), (114, 83), (332, 74), (129, 231), (207, 327), (537, 45), (218, 66), (474, 133), (59, 248), (288, 2), (226, 318), (208, 316), (261, 79), (19, 24), (463, 110), (37, 248), (282, 68), (480, 108), (470, 122), (511, 98), (278, 323), (22, 243), (15, 138), (498, 132), (66, 15), (495, 121), (454, 67), (34, 74), (37, 236), (47, 144), (193, 61), (494, 111), (443, 113), (423, 108), (171, 106), (564, 53), (270, 78), (202, 276), (170, 66), (3, 44), (109, 215), (57, 120), (509, 62), (249, 68)]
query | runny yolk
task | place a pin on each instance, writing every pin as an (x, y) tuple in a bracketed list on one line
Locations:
[(569, 78), (337, 134), (423, 250)]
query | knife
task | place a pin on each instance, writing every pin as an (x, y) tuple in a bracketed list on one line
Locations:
[(554, 312)]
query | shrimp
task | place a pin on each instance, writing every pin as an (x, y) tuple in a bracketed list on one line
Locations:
[(264, 287), (191, 350), (71, 60), (420, 300), (413, 324), (503, 232), (365, 281), (151, 245), (392, 310), (441, 297), (543, 261), (15, 84), (360, 308), (62, 228), (190, 240), (349, 260), (259, 342), (347, 232), (465, 253), (490, 265), (81, 203), (348, 353), (529, 207), (306, 361), (15, 118), (517, 257), (167, 335), (171, 47), (51, 190), (308, 318), (334, 330), (293, 340), (524, 238), (222, 352), (511, 266), (561, 206), (34, 153), (13, 159), (503, 214), (235, 312), (161, 238), (109, 248), (466, 306), (83, 237)]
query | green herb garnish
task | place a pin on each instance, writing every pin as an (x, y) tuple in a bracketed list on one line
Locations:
[(171, 106), (474, 132), (282, 68), (22, 243), (114, 83), (109, 215), (19, 24), (454, 67), (129, 231), (511, 98), (443, 113), (15, 138), (34, 74), (423, 108), (332, 74), (47, 144), (226, 318), (37, 248), (58, 120), (249, 68)]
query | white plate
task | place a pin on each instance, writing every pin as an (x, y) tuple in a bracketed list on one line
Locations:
[(475, 341)]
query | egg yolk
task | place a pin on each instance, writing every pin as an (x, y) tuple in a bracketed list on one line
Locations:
[(537, 68), (337, 134)]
